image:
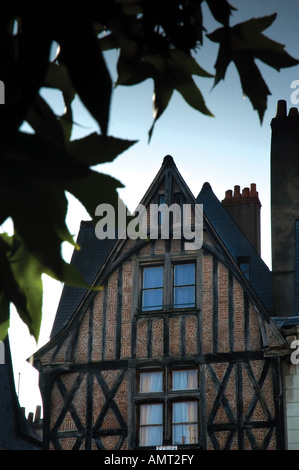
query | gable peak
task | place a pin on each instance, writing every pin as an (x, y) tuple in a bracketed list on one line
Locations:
[(168, 159)]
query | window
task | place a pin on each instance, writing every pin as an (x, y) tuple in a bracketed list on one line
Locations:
[(184, 422), (183, 293), (152, 292), (184, 379), (169, 410), (151, 424), (150, 382), (184, 285)]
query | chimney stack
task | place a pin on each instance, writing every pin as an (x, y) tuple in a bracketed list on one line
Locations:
[(284, 208), (245, 209)]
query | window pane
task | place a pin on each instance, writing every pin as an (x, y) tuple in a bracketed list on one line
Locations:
[(185, 412), (184, 434), (184, 379), (184, 297), (150, 436), (150, 414), (150, 382), (184, 274), (184, 423), (152, 299), (153, 277), (150, 430)]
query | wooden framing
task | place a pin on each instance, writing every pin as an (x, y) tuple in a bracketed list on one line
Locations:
[(88, 371)]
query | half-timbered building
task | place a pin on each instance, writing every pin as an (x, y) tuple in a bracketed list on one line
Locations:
[(176, 347)]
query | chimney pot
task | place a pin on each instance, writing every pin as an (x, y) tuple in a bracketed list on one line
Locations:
[(237, 191), (281, 108), (245, 192), (37, 413), (245, 211), (293, 112), (253, 191)]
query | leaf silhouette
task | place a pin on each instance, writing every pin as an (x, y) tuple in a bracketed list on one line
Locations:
[(242, 44)]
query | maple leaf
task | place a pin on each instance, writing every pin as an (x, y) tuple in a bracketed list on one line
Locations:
[(242, 44)]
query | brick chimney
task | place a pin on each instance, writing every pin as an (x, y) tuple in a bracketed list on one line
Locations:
[(285, 208), (245, 209)]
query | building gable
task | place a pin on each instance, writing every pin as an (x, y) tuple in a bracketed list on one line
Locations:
[(165, 309)]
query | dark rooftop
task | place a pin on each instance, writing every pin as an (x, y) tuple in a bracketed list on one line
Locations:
[(88, 261)]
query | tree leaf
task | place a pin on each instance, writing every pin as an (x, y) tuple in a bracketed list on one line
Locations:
[(42, 119), (94, 148), (183, 64), (4, 315), (21, 72), (95, 189), (253, 84), (132, 71), (247, 38), (107, 42), (162, 95), (32, 157), (221, 10), (38, 213), (27, 271), (20, 284), (71, 276), (242, 44), (191, 93), (175, 72), (9, 291), (57, 77), (87, 70)]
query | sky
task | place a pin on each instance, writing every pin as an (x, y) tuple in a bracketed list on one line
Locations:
[(230, 149)]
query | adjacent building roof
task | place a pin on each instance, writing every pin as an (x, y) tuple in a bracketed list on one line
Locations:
[(15, 431)]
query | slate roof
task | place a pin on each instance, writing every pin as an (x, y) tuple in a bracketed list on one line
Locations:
[(237, 244), (88, 261), (15, 431)]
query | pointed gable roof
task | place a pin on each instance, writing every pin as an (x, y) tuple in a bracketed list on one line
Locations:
[(98, 258), (168, 169), (94, 254)]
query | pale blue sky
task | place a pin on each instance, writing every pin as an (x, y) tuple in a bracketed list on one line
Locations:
[(230, 149)]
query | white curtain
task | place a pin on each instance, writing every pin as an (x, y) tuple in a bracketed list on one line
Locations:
[(184, 379), (151, 382), (150, 429), (184, 419)]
